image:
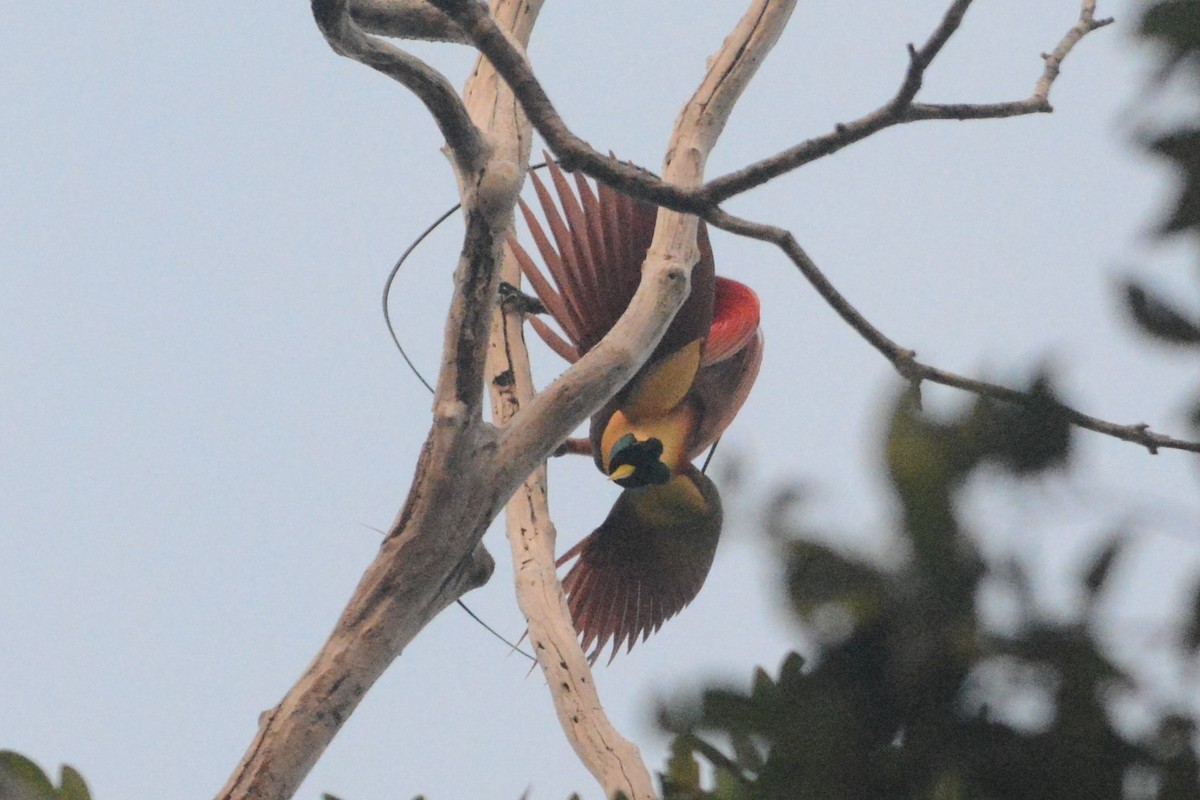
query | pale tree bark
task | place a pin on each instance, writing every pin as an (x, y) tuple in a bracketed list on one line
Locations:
[(613, 760), (469, 468)]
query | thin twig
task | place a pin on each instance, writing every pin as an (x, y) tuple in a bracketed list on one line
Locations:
[(1086, 24), (901, 109), (905, 361), (574, 153), (919, 60)]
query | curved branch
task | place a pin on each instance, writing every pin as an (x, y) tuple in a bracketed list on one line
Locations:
[(919, 60), (572, 152), (405, 19), (432, 554), (467, 145)]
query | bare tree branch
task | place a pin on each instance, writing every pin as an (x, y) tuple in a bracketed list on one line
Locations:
[(919, 60), (466, 144), (901, 109), (406, 19), (392, 603), (614, 761), (432, 554), (1086, 24), (905, 360), (572, 152)]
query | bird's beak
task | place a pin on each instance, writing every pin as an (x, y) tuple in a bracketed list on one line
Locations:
[(623, 471)]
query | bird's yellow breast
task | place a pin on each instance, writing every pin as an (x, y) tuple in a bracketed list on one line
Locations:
[(662, 387)]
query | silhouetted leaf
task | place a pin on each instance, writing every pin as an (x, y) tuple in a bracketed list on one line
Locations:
[(72, 786), (727, 709), (792, 668), (1175, 23), (730, 786), (778, 517), (763, 690), (1157, 317), (1101, 566), (818, 577), (21, 779), (1181, 771), (1182, 148), (923, 457), (682, 778), (927, 461), (1028, 438), (745, 752), (1191, 630)]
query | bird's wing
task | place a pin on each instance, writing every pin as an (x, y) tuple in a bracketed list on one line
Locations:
[(645, 562), (720, 390)]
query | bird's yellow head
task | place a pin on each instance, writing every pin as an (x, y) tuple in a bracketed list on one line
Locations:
[(633, 463)]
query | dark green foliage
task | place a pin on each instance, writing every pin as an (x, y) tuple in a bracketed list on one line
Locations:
[(910, 695), (1026, 438), (1191, 633), (1174, 25), (1160, 318), (1182, 149), (21, 779)]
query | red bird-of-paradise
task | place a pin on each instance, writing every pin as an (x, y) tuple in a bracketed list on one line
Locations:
[(651, 555)]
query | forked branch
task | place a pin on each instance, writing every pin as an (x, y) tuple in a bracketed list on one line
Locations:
[(903, 109)]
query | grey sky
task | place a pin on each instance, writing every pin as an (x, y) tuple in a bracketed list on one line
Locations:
[(202, 416)]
